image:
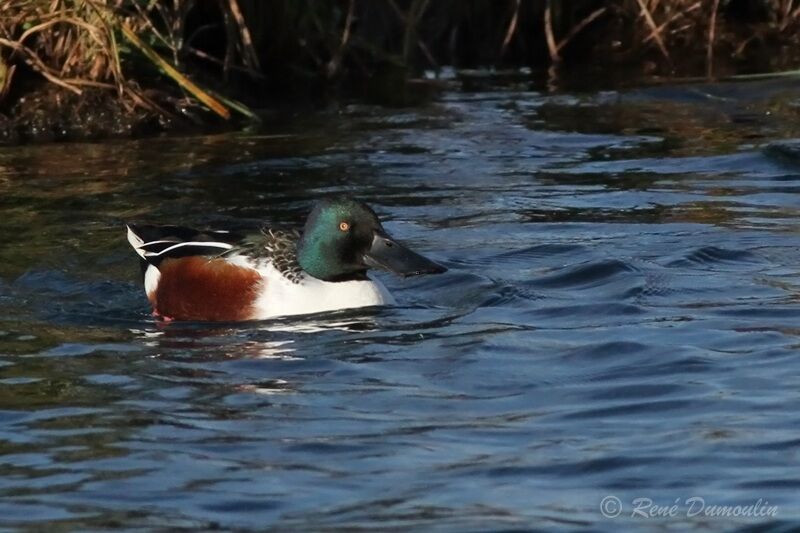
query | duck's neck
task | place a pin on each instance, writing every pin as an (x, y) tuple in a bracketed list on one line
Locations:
[(319, 258)]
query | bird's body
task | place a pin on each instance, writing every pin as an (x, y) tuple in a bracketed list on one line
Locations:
[(223, 276)]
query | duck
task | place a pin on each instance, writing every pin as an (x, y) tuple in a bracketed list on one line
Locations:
[(224, 276)]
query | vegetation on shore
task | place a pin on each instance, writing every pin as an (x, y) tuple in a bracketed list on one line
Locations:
[(166, 60)]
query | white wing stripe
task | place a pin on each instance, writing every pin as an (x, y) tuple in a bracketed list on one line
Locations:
[(224, 246), (146, 244)]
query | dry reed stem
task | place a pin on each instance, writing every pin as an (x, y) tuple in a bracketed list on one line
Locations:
[(152, 27), (6, 75), (555, 47), (786, 14), (427, 53), (420, 43), (655, 32), (336, 60), (32, 59), (552, 47), (512, 27), (207, 100), (249, 55), (579, 27), (712, 26), (230, 49), (92, 31), (79, 54), (208, 57), (673, 18), (415, 12)]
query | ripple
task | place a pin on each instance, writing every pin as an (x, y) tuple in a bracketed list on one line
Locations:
[(787, 152), (633, 409), (523, 256), (715, 258), (593, 274), (620, 317)]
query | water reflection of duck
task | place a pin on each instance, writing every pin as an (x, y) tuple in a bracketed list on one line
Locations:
[(222, 276)]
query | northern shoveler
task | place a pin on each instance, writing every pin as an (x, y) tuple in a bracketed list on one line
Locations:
[(222, 276)]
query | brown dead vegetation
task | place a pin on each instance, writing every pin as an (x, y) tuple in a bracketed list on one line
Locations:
[(135, 51)]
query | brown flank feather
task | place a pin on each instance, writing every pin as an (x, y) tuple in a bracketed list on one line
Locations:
[(199, 288)]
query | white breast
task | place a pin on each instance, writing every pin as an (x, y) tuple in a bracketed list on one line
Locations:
[(281, 296)]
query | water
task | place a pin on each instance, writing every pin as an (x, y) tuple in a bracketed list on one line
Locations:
[(620, 318)]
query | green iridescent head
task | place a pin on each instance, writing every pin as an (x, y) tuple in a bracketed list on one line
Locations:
[(343, 238)]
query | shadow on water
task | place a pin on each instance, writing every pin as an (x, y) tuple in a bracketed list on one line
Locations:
[(620, 318)]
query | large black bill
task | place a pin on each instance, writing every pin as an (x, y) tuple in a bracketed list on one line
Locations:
[(392, 256)]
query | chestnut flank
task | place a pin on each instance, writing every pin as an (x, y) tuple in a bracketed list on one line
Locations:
[(199, 288)]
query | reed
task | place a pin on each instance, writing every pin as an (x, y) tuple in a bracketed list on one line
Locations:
[(82, 45), (273, 48)]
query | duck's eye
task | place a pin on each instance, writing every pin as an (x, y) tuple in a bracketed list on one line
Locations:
[(344, 226)]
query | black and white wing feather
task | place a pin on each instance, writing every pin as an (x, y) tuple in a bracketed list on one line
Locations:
[(156, 243)]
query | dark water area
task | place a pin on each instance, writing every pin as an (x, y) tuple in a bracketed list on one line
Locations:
[(621, 319)]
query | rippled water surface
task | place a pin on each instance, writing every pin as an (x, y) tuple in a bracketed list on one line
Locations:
[(620, 318)]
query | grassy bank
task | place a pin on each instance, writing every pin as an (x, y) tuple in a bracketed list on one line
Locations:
[(173, 58)]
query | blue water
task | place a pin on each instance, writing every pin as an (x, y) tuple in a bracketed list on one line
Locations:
[(621, 319)]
